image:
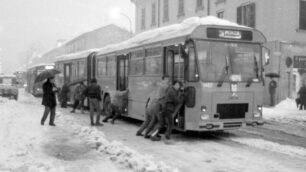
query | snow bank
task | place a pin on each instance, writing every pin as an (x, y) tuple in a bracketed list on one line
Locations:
[(120, 153), (286, 112), (272, 146)]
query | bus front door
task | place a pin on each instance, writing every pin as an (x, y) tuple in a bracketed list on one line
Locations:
[(175, 68)]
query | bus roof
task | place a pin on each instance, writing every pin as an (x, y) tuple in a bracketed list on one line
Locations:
[(77, 55), (168, 32), (40, 64), (7, 76)]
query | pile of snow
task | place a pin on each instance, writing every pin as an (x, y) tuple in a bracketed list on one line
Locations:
[(286, 112), (272, 146), (120, 153)]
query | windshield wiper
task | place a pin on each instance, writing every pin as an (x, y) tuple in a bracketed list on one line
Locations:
[(225, 73)]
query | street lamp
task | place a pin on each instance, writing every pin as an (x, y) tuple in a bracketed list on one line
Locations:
[(115, 12)]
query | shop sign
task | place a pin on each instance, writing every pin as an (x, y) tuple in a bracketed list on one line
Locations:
[(299, 62)]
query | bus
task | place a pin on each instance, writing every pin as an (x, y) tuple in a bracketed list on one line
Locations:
[(73, 67), (31, 73), (219, 62)]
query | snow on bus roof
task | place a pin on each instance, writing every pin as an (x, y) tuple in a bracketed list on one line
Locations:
[(77, 55), (162, 33), (40, 64), (167, 32)]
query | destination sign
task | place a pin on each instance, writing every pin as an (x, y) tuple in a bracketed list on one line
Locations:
[(229, 34), (299, 62)]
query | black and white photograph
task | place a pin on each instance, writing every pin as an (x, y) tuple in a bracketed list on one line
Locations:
[(152, 85)]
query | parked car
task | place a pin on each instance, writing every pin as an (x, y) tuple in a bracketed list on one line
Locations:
[(8, 86)]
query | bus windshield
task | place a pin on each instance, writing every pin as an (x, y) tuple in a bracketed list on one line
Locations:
[(227, 61)]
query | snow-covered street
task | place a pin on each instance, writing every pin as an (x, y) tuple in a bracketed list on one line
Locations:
[(279, 145)]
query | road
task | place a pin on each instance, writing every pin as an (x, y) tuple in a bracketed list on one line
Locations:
[(276, 146)]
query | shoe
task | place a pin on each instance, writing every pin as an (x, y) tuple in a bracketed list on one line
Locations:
[(72, 111), (167, 137), (157, 135), (99, 124), (92, 124), (155, 138), (147, 136), (41, 123), (52, 125), (139, 134), (104, 120)]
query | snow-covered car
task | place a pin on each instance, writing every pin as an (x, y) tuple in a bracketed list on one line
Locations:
[(8, 86)]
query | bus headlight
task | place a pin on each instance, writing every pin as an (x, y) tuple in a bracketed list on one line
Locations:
[(203, 108), (259, 107), (204, 117)]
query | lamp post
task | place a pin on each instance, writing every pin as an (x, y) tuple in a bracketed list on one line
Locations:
[(115, 12)]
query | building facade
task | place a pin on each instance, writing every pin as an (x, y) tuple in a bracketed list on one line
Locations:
[(283, 22), (110, 34)]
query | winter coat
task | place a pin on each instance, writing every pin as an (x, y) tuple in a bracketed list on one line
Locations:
[(173, 98), (93, 91), (78, 93), (272, 87), (302, 93), (48, 95)]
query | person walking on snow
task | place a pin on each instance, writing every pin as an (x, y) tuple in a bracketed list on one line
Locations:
[(49, 101), (93, 92), (302, 96), (272, 90)]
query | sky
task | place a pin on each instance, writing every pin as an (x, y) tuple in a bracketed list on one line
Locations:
[(37, 24)]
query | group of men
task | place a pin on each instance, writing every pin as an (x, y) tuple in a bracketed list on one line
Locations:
[(160, 108)]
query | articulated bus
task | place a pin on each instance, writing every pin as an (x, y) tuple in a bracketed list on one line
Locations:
[(31, 74), (219, 62)]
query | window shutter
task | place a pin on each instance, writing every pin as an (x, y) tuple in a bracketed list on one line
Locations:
[(302, 14), (252, 15), (239, 15)]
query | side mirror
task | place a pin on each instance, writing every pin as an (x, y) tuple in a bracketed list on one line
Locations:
[(190, 96)]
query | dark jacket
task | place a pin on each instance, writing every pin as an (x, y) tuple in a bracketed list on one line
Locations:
[(173, 98), (302, 93), (93, 91), (48, 95)]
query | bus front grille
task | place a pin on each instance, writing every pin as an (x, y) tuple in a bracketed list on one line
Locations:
[(232, 111)]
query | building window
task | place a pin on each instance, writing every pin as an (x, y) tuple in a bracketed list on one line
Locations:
[(143, 18), (153, 23), (200, 5), (246, 15), (181, 8), (220, 14), (166, 11), (303, 14)]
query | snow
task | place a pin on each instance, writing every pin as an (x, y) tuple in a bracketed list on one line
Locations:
[(150, 36), (27, 146), (285, 112), (72, 145)]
